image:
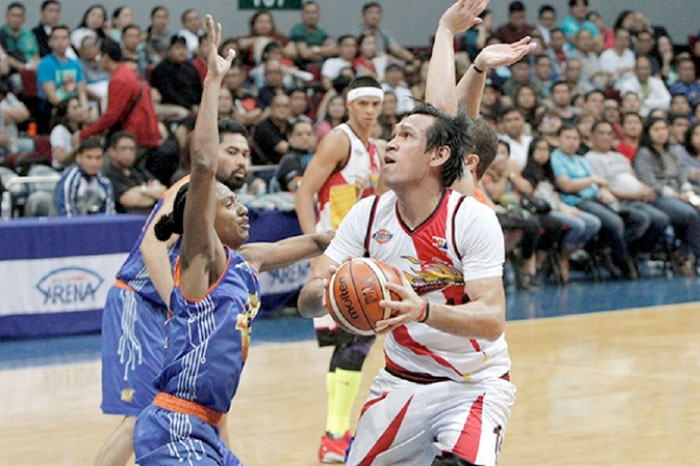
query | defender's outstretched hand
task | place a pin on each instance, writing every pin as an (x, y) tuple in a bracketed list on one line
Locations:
[(217, 66), (463, 15), (497, 55)]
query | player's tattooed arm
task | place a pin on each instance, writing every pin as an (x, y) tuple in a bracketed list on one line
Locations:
[(271, 256)]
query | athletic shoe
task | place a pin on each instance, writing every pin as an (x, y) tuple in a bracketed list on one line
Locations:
[(333, 450)]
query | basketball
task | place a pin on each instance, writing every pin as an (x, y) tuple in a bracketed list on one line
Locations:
[(354, 292)]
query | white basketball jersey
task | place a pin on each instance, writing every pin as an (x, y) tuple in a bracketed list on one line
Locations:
[(355, 180), (461, 241)]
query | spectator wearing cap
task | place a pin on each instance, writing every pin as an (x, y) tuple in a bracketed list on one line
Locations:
[(686, 83), (191, 30), (176, 79), (312, 42), (83, 189), (96, 78), (393, 82), (130, 107), (516, 28), (386, 44), (50, 15)]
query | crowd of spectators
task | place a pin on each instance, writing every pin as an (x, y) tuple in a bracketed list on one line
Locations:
[(599, 126)]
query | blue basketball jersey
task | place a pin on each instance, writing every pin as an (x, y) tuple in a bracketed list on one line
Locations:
[(208, 339), (133, 272)]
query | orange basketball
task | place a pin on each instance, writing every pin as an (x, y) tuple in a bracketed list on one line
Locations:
[(354, 292)]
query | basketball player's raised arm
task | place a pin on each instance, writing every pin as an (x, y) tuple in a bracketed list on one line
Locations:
[(155, 253), (202, 256), (471, 87), (440, 89), (330, 155), (271, 256)]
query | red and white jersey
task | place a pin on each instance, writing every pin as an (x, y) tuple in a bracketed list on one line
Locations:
[(461, 241), (355, 180)]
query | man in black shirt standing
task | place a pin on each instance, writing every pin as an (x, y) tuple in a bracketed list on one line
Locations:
[(176, 78), (135, 190)]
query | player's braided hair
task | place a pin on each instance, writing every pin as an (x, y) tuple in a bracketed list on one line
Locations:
[(172, 223)]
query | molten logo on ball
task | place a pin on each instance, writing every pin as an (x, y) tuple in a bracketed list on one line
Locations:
[(345, 298)]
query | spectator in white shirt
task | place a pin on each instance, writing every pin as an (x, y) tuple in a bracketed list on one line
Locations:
[(393, 82), (546, 19), (650, 89), (512, 123), (191, 29), (619, 60), (347, 50)]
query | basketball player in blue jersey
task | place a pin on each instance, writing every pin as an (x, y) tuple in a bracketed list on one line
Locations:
[(133, 330), (214, 299)]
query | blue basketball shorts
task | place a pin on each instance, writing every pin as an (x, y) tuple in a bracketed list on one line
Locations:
[(133, 351)]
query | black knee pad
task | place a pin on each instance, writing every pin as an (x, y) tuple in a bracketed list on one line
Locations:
[(348, 358), (450, 459)]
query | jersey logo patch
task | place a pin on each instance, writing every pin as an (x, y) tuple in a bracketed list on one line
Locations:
[(432, 276), (440, 243), (382, 236)]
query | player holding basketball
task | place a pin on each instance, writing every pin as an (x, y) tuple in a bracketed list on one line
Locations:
[(444, 395), (344, 169), (133, 327)]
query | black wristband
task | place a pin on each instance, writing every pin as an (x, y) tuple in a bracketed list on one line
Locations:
[(477, 69), (427, 312)]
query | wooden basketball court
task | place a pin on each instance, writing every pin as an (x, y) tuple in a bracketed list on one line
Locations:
[(618, 388)]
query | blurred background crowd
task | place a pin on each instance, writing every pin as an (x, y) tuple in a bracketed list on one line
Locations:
[(598, 164)]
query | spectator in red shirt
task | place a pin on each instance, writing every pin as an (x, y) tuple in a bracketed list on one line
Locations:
[(632, 128), (130, 106), (516, 28)]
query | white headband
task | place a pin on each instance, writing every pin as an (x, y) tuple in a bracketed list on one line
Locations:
[(365, 92)]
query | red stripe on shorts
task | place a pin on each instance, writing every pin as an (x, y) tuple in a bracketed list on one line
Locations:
[(467, 445), (387, 437), (371, 402)]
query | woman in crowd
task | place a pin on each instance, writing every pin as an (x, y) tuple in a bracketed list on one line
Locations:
[(94, 23), (335, 114), (688, 154), (538, 181), (65, 124), (122, 17), (657, 167), (262, 32)]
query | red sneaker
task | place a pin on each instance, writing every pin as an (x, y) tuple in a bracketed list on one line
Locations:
[(333, 451)]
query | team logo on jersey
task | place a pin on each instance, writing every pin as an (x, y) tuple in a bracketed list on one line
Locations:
[(382, 236), (243, 323), (128, 395), (433, 276), (440, 243)]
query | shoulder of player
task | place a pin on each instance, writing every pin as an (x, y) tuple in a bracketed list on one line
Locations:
[(470, 210), (332, 145)]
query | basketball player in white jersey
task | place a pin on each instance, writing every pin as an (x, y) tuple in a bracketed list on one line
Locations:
[(344, 170), (444, 395)]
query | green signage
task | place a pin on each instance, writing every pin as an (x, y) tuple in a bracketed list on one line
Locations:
[(269, 4)]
